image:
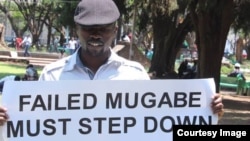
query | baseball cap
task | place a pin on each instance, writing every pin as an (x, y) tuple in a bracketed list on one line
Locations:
[(96, 12), (237, 65)]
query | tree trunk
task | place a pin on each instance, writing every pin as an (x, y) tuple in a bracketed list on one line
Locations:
[(159, 34), (167, 42), (239, 49), (2, 30), (49, 43), (212, 26)]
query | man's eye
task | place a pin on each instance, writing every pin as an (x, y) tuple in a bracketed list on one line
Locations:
[(85, 28), (104, 29)]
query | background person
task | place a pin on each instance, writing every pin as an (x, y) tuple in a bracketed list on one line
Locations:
[(237, 72), (27, 42), (31, 73), (72, 45), (18, 43)]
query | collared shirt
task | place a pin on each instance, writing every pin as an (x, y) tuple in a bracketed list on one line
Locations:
[(116, 68)]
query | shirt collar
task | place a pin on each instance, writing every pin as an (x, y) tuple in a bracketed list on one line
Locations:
[(74, 60)]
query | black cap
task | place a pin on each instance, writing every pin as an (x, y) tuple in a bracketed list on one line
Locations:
[(96, 12)]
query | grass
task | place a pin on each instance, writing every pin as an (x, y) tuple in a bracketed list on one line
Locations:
[(10, 68)]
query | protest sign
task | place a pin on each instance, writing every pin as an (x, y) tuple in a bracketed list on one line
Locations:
[(105, 110)]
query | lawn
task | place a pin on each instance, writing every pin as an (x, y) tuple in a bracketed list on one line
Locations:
[(10, 68)]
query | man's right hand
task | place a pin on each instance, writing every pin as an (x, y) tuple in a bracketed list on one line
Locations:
[(3, 115)]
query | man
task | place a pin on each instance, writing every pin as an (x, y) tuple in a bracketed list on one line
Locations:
[(72, 45), (27, 41), (237, 72), (94, 60), (30, 74)]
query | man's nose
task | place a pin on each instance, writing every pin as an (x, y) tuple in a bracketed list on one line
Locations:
[(95, 33)]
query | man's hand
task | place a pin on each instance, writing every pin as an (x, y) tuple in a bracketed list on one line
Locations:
[(3, 115), (217, 105)]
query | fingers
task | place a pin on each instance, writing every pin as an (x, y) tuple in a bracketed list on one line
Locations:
[(3, 115), (217, 104)]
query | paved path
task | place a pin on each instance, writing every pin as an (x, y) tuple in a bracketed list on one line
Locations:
[(37, 59), (31, 60), (237, 109)]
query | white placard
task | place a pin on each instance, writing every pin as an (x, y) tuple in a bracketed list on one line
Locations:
[(105, 110)]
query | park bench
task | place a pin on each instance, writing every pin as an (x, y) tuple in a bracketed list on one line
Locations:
[(236, 83)]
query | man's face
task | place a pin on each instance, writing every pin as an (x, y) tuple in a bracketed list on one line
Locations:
[(237, 68), (30, 78), (96, 39)]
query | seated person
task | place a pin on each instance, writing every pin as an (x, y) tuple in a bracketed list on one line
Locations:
[(237, 72), (31, 74)]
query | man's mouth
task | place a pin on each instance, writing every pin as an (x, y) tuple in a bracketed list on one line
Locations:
[(95, 43)]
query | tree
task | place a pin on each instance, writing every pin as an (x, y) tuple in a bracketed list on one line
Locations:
[(212, 20), (124, 11), (14, 16), (170, 24), (241, 24), (50, 19), (33, 18)]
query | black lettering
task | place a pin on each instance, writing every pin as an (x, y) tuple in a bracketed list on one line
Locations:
[(85, 125), (87, 99), (99, 122), (146, 123), (186, 120), (117, 102), (150, 101), (35, 131), (112, 124), (49, 102), (71, 101), (57, 100), (22, 102), (163, 125), (135, 100), (64, 123), (38, 103), (180, 99), (202, 121), (13, 131), (192, 98), (165, 100), (49, 124), (129, 122)]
